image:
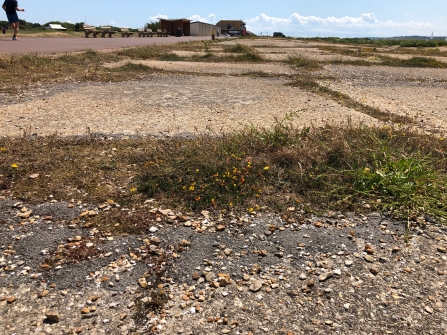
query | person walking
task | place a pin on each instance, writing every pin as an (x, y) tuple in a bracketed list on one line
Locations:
[(11, 7), (213, 34)]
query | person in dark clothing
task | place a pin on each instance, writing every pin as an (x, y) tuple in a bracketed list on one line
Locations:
[(11, 7)]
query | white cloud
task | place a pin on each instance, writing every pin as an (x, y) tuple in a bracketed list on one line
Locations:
[(68, 21), (196, 17), (364, 25), (212, 18), (117, 24), (159, 16)]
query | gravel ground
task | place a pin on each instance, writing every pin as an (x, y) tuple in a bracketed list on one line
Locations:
[(247, 274)]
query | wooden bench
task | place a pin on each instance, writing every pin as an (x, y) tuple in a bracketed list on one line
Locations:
[(125, 32), (143, 33), (106, 30), (90, 30), (163, 33)]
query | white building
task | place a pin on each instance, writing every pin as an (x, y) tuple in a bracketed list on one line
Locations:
[(202, 29), (55, 27)]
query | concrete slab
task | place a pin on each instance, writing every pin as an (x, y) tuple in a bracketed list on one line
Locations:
[(50, 45)]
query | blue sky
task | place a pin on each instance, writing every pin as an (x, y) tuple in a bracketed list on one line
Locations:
[(349, 18)]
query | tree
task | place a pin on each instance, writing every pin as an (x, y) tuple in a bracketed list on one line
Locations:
[(153, 25)]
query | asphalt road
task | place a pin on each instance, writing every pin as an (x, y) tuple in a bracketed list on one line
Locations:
[(50, 45)]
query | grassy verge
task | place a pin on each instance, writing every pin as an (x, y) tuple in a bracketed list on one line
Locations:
[(355, 168)]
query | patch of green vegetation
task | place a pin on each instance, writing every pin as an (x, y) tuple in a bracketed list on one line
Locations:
[(149, 52), (243, 53), (427, 62), (303, 62), (329, 168), (135, 67)]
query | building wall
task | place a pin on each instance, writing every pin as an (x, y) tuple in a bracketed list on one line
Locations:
[(166, 24), (186, 28), (202, 29)]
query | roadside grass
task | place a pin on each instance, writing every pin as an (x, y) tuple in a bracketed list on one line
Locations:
[(389, 169)]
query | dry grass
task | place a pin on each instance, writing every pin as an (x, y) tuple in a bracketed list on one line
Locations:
[(252, 169)]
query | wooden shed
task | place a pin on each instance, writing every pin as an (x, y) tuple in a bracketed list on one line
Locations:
[(172, 26)]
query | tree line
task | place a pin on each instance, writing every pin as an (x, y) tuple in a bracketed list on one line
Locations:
[(70, 26)]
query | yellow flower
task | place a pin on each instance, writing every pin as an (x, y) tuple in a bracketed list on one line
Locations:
[(250, 210), (2, 149), (441, 139), (14, 165), (191, 188), (197, 170), (366, 170), (133, 189), (266, 168)]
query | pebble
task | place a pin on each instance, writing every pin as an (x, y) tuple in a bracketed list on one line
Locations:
[(374, 270), (326, 275), (255, 286), (428, 309), (369, 259), (10, 300), (210, 277), (44, 293), (53, 316), (85, 310), (142, 282)]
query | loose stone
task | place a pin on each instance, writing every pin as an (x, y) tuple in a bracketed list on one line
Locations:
[(325, 276), (53, 316), (369, 259), (255, 286)]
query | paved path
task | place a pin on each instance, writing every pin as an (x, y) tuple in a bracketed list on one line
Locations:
[(49, 45)]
